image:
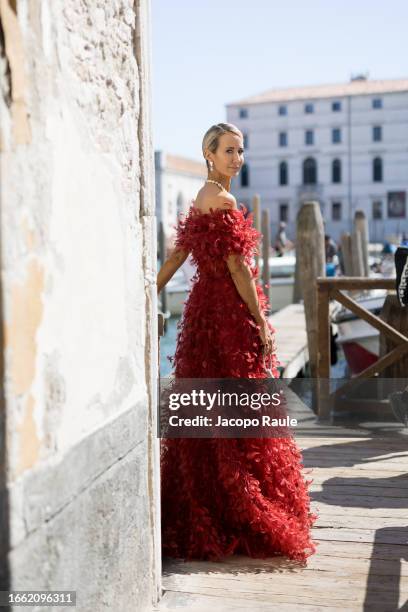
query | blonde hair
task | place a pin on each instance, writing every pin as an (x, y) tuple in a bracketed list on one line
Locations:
[(212, 137)]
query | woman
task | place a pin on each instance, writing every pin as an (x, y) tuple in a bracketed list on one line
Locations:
[(225, 496)]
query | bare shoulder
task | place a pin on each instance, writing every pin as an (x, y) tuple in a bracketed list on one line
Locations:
[(208, 198)]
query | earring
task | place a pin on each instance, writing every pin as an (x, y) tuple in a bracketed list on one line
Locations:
[(211, 165)]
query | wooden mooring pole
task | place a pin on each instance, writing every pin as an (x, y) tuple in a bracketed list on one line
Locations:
[(311, 265), (266, 241), (256, 207), (361, 226)]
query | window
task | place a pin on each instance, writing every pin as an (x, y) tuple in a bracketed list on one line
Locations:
[(377, 170), (377, 133), (397, 204), (283, 173), (284, 212), (309, 108), (243, 113), (283, 139), (336, 171), (245, 176), (309, 171), (336, 211), (309, 137), (283, 110), (336, 107), (336, 135), (377, 210), (246, 143), (377, 103)]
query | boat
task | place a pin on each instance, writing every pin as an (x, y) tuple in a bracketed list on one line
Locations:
[(282, 271), (359, 341)]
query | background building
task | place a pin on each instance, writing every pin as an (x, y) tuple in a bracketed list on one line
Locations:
[(345, 145), (177, 181)]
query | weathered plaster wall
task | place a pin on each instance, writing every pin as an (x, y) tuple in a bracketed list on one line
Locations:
[(78, 263)]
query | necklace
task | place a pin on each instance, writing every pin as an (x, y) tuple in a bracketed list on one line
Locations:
[(216, 183)]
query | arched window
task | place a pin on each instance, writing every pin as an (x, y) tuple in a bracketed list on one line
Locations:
[(245, 176), (336, 171), (377, 170), (309, 171), (283, 173)]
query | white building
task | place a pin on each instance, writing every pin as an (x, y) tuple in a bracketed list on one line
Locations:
[(345, 145), (177, 181)]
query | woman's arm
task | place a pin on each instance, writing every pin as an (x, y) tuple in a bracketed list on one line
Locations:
[(176, 258), (245, 284)]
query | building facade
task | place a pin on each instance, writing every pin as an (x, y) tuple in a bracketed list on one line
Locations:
[(177, 181), (344, 145), (79, 454)]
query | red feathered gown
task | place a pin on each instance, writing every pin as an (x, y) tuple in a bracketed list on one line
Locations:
[(226, 496)]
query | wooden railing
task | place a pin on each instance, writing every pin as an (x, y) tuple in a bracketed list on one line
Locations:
[(330, 289)]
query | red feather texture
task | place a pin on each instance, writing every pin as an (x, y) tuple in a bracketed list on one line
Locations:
[(226, 496)]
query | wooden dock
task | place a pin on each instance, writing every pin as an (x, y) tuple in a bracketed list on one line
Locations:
[(291, 339), (360, 492)]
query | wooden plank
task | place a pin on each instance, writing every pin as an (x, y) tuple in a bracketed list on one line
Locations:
[(363, 455), (366, 447), (312, 461), (284, 586), (377, 442), (359, 558), (351, 282), (398, 462), (348, 477), (256, 582), (189, 602), (357, 522), (360, 490), (331, 565), (323, 341), (358, 551), (343, 550), (359, 535), (377, 367), (334, 506), (368, 316)]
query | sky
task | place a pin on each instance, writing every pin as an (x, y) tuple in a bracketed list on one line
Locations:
[(207, 53)]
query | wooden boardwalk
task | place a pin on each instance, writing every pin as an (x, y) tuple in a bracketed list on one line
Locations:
[(291, 339), (360, 491)]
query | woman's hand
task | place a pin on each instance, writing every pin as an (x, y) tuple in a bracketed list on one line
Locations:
[(267, 338)]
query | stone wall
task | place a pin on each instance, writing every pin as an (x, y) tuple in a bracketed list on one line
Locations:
[(80, 485)]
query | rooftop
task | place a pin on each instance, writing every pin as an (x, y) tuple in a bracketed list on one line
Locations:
[(356, 87), (183, 164)]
